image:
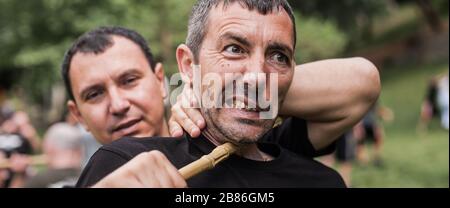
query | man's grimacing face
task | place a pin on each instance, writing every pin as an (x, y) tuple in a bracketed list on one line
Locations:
[(243, 41), (116, 92)]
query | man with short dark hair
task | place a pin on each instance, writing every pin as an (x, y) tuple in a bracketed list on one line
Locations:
[(115, 87), (240, 37)]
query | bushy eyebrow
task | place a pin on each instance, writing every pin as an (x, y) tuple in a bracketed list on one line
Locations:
[(129, 72), (235, 37), (245, 42)]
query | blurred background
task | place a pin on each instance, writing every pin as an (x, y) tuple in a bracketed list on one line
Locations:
[(408, 40)]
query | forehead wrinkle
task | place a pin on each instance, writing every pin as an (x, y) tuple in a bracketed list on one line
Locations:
[(234, 24), (245, 24)]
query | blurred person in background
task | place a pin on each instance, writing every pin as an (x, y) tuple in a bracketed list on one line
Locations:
[(369, 131), (4, 173), (90, 144), (343, 157), (435, 104), (19, 123), (13, 145), (26, 129), (63, 150), (442, 100), (429, 108)]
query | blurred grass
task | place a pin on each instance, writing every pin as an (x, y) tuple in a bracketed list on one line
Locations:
[(410, 159)]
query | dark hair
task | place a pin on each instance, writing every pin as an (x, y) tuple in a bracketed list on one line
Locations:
[(98, 41), (198, 21)]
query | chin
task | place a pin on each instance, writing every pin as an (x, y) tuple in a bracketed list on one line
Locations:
[(244, 133), (236, 128)]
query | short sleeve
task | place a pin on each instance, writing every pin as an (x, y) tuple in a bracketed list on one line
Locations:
[(292, 134), (102, 163)]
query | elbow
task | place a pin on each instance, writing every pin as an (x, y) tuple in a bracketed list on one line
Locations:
[(370, 79)]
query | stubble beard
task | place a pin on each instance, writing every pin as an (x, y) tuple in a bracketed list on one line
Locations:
[(234, 132)]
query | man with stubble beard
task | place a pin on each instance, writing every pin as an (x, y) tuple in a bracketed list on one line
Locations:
[(241, 37)]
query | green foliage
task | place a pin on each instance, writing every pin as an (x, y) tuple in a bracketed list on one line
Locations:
[(35, 34), (355, 17), (440, 5), (318, 39)]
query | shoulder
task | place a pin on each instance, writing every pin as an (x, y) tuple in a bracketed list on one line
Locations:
[(324, 176), (129, 147), (289, 127), (111, 156)]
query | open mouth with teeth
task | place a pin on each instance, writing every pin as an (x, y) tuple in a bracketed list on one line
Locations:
[(247, 106)]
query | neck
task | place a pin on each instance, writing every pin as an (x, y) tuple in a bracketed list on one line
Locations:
[(252, 152), (164, 130), (247, 150)]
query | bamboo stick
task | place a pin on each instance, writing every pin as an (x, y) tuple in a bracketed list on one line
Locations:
[(209, 161)]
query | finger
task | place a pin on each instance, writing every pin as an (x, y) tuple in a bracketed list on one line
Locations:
[(192, 113), (174, 128), (185, 122), (121, 178), (195, 115), (176, 179), (188, 98), (165, 177), (185, 100), (148, 170)]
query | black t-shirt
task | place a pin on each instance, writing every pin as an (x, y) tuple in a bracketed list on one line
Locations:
[(292, 134), (286, 170)]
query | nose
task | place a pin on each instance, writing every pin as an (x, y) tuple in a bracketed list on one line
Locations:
[(257, 77), (119, 105), (256, 63), (255, 71)]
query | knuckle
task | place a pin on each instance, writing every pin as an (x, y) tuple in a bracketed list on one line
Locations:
[(156, 154), (186, 120), (180, 183)]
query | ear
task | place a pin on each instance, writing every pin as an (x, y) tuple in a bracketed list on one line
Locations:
[(185, 60), (73, 108), (159, 73)]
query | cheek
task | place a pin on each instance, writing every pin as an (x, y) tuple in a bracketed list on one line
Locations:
[(283, 86), (218, 64), (95, 117), (284, 83), (149, 99)]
